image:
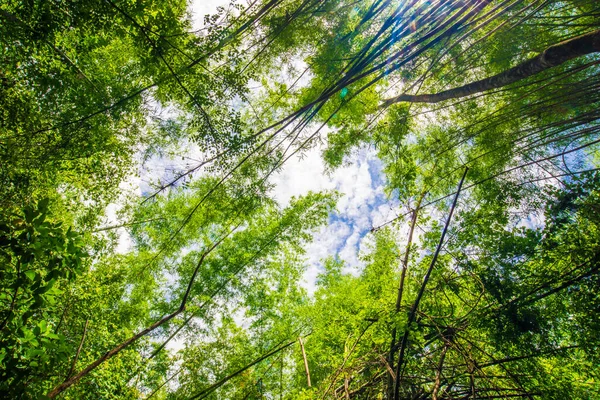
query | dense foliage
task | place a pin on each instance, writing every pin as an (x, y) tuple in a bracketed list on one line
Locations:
[(484, 117)]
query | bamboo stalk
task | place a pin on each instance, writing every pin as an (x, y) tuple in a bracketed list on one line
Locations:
[(305, 360)]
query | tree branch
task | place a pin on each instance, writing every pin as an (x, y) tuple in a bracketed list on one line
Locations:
[(117, 349), (220, 383), (74, 363), (551, 57)]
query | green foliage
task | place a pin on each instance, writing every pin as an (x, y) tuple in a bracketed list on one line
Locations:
[(39, 257), (207, 301)]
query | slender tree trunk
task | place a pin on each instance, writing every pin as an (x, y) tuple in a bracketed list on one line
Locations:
[(339, 370), (108, 228), (346, 388), (413, 224), (281, 378), (220, 383), (305, 361), (438, 374), (116, 350), (387, 366), (169, 379), (472, 381), (551, 57)]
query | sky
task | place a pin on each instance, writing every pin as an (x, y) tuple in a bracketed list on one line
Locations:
[(362, 206), (200, 8)]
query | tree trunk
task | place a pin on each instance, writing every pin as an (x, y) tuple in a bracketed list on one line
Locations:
[(413, 223), (438, 374), (116, 350), (549, 58), (203, 393), (305, 361), (108, 355)]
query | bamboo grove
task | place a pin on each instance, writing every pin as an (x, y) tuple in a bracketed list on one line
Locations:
[(483, 115)]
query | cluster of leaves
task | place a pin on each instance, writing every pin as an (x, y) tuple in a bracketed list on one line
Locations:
[(39, 257)]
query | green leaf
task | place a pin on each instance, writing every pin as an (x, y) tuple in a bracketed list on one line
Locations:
[(30, 274)]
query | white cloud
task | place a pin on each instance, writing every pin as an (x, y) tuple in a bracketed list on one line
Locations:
[(200, 8), (131, 186), (361, 207)]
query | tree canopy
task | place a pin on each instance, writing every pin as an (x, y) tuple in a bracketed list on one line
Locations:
[(482, 121)]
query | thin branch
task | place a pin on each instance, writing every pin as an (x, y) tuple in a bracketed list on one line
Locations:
[(221, 382), (87, 321)]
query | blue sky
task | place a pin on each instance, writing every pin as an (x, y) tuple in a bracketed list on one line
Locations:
[(362, 205)]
